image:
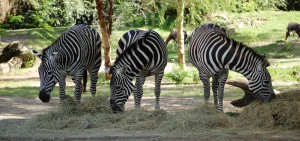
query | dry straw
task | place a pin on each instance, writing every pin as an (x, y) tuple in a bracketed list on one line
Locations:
[(283, 112)]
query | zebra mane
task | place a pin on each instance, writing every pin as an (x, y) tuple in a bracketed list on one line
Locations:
[(244, 46), (142, 39), (51, 46)]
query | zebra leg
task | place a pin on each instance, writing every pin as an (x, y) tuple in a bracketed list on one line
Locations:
[(62, 86), (215, 85), (94, 76), (78, 87), (158, 78), (84, 80), (138, 91), (206, 86), (223, 75)]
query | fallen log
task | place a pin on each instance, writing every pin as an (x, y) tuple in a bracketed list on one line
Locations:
[(248, 97)]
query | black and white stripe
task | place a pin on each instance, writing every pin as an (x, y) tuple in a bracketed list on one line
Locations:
[(213, 54), (140, 54), (76, 50)]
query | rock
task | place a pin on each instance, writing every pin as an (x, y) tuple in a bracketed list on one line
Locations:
[(11, 65), (14, 56)]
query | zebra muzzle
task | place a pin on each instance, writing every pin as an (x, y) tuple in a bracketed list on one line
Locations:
[(115, 107), (44, 97)]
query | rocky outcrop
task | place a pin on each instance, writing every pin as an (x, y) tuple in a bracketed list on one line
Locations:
[(11, 65), (14, 56)]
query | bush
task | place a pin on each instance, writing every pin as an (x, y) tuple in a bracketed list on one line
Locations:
[(177, 74), (16, 21), (28, 60)]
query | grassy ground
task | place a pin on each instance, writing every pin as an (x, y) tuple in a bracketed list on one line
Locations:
[(264, 31)]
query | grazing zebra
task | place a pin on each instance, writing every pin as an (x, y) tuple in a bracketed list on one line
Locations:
[(76, 50), (213, 54), (145, 56), (222, 75)]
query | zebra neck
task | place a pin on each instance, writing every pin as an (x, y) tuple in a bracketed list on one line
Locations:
[(130, 72), (51, 49), (247, 67)]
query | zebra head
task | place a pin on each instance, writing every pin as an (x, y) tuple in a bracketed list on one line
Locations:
[(261, 84), (46, 72), (120, 88)]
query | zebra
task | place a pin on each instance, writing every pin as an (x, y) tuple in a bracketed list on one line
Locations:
[(173, 36), (222, 75), (76, 50), (213, 54), (145, 55)]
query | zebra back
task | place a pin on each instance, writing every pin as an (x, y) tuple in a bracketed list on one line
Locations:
[(128, 39), (147, 53)]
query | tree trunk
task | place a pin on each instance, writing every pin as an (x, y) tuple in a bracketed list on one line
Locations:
[(248, 97), (180, 36), (105, 27), (5, 9)]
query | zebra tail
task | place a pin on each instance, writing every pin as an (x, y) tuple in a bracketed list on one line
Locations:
[(144, 38)]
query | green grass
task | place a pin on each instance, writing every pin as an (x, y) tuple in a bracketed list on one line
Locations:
[(266, 36), (269, 26)]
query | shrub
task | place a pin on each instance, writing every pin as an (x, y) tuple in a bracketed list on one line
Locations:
[(28, 60), (194, 75), (16, 21), (177, 74)]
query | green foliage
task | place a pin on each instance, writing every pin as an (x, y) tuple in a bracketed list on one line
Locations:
[(2, 32), (28, 59), (15, 21), (47, 35), (177, 74), (102, 79), (295, 73), (42, 13), (292, 5), (258, 5), (249, 36)]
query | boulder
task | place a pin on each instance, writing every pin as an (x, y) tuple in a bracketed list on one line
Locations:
[(14, 56), (11, 65)]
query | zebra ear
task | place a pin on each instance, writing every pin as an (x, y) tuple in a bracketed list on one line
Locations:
[(122, 70), (266, 62), (107, 70), (53, 56), (37, 54)]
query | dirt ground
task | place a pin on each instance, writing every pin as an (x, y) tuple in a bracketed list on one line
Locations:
[(15, 111)]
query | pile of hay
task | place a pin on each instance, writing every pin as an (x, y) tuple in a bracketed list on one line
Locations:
[(283, 112), (95, 113), (202, 116)]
